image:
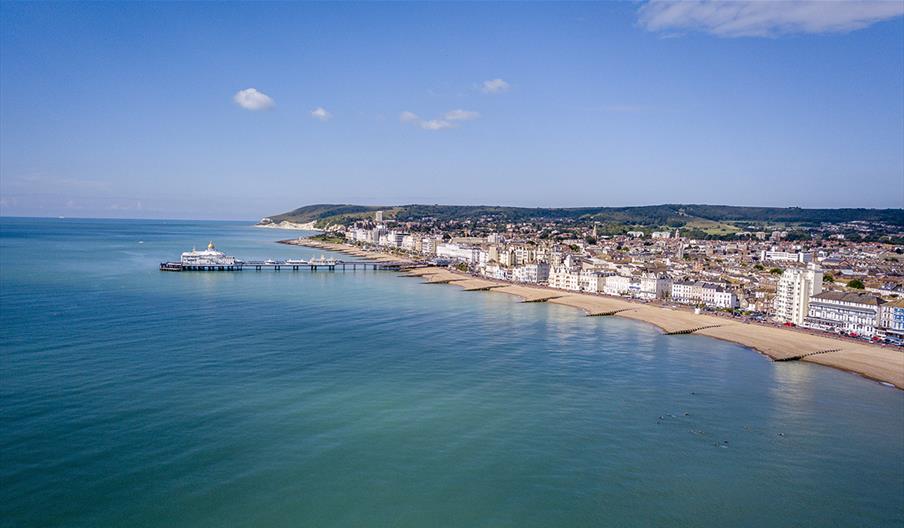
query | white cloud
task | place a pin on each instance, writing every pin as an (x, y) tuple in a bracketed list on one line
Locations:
[(408, 117), (321, 114), (760, 18), (461, 115), (251, 99), (436, 124), (449, 120), (495, 86)]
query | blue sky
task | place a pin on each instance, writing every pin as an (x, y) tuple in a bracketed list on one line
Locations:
[(132, 110)]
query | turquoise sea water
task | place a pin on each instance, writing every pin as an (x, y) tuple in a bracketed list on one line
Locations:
[(131, 397)]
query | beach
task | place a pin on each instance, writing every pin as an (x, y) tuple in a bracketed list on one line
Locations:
[(880, 363), (347, 249)]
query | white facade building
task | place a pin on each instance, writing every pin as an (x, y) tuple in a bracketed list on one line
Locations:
[(507, 257), (793, 292), (564, 278), (532, 273), (592, 281), (687, 292), (617, 285), (495, 271), (774, 255), (360, 235), (893, 318), (717, 296), (455, 252), (708, 294), (654, 287), (428, 246), (376, 234), (392, 239), (845, 312)]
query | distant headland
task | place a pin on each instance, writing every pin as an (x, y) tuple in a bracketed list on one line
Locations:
[(321, 216)]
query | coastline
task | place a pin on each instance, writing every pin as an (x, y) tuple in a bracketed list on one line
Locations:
[(285, 224), (875, 362)]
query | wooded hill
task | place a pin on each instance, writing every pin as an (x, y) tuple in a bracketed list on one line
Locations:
[(675, 215)]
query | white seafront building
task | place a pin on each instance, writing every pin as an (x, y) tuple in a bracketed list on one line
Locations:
[(495, 271), (892, 321), (652, 286), (708, 294), (531, 273), (593, 281), (563, 278), (793, 292), (648, 286), (836, 311), (470, 255), (617, 285), (428, 246)]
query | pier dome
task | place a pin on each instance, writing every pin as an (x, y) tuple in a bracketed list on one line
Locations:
[(208, 257)]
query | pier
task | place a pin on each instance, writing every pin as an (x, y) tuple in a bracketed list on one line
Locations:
[(212, 260), (293, 265)]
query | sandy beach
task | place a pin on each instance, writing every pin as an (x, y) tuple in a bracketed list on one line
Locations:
[(880, 363), (348, 250)]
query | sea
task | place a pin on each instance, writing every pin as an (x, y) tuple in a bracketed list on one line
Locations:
[(139, 398)]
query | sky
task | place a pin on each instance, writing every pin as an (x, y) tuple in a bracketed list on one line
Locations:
[(244, 110)]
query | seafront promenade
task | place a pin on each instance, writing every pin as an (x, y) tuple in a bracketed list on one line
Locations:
[(880, 363)]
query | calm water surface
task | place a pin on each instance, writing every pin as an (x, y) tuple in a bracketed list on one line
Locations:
[(131, 397)]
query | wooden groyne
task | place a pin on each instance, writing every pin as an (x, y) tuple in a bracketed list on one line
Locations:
[(608, 313), (439, 281), (542, 299), (485, 288), (691, 330), (799, 357)]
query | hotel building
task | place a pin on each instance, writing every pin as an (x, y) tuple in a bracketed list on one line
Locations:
[(845, 312), (793, 292)]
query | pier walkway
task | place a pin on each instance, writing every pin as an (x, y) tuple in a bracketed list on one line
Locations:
[(294, 265)]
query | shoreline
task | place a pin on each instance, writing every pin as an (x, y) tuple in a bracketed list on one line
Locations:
[(348, 250), (293, 226), (875, 362)]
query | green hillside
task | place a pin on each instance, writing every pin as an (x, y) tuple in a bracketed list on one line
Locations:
[(317, 212), (675, 215)]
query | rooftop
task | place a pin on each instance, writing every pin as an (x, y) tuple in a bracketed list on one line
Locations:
[(858, 298)]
